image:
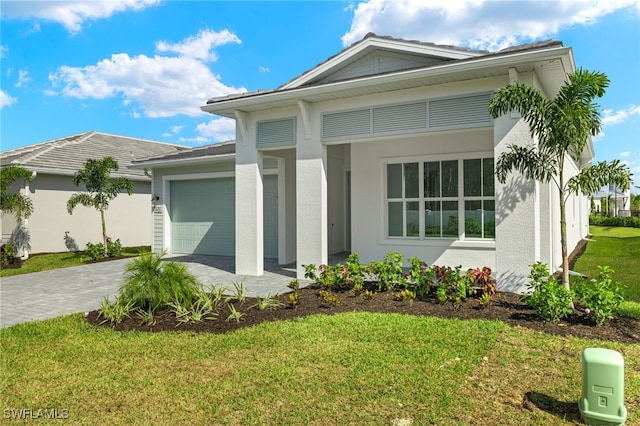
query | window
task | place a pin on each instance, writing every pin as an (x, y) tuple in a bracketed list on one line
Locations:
[(441, 199)]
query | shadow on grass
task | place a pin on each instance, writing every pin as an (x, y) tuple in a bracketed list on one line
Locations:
[(564, 410)]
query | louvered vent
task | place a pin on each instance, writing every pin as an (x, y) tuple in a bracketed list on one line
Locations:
[(276, 133), (348, 123), (158, 223), (467, 111), (400, 118)]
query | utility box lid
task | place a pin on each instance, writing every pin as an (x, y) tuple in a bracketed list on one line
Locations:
[(602, 401)]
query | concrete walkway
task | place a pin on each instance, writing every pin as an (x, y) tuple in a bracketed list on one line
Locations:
[(48, 294)]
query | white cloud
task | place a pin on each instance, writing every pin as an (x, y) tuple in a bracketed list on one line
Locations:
[(23, 78), (264, 69), (625, 154), (199, 46), (218, 129), (6, 100), (176, 129), (161, 86), (201, 140), (611, 117), (3, 50), (501, 24), (70, 14)]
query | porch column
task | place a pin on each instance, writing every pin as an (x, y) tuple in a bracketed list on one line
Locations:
[(517, 213), (311, 202), (249, 202)]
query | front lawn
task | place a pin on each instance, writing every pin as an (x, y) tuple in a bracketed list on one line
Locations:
[(46, 261), (618, 248), (350, 368)]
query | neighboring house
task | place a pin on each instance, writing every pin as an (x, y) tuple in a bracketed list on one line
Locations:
[(611, 201), (53, 163), (387, 146)]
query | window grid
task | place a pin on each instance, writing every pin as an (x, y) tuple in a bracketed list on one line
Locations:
[(475, 226)]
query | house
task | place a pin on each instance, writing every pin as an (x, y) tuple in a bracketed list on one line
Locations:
[(53, 163), (611, 201), (387, 146)]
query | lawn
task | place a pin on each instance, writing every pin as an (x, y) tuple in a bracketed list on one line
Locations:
[(43, 262), (618, 248), (351, 368)]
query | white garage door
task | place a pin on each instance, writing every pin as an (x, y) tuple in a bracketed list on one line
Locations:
[(202, 216)]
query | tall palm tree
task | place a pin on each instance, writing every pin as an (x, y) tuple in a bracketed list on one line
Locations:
[(101, 188), (16, 203), (561, 128)]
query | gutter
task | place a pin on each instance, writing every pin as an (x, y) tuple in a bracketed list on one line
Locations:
[(184, 161)]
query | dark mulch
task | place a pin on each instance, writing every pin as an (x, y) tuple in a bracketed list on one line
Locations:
[(506, 307)]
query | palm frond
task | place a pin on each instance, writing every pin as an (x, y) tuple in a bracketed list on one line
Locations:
[(527, 160)]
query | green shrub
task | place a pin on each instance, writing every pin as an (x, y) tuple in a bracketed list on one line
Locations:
[(114, 248), (8, 253), (94, 251), (421, 277), (389, 272), (629, 222), (550, 299), (151, 283), (600, 296)]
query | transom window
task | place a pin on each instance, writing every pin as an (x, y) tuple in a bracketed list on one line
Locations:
[(441, 199)]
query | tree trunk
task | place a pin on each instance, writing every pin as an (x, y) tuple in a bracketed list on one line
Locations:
[(563, 231), (104, 233)]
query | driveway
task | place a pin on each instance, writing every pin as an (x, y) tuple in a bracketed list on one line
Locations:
[(48, 294)]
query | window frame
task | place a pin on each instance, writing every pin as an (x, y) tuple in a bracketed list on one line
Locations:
[(461, 199)]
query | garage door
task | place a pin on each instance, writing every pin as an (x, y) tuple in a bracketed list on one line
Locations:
[(202, 216)]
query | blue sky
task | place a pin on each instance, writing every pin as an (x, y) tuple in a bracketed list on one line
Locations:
[(142, 68)]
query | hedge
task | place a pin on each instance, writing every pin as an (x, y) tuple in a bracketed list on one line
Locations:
[(630, 222)]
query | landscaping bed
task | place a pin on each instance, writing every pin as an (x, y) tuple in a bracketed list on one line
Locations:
[(506, 307)]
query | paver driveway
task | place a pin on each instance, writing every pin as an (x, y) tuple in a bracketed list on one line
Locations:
[(48, 294)]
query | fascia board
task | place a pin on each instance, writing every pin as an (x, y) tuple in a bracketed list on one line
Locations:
[(184, 161), (60, 172), (295, 94)]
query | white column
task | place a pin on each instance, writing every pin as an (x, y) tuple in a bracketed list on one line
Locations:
[(517, 234), (311, 203), (249, 203)]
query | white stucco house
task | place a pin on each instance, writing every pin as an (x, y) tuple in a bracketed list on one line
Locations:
[(386, 146), (53, 164)]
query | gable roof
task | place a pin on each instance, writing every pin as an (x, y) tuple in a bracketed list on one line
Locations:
[(549, 59), (67, 155), (209, 153), (371, 44)]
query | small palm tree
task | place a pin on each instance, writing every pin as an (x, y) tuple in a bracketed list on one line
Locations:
[(562, 127), (17, 203), (101, 188)]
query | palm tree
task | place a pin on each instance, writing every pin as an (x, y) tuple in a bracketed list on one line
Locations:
[(561, 127), (101, 188), (18, 204)]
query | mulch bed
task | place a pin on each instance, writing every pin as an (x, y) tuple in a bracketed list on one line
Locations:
[(507, 307)]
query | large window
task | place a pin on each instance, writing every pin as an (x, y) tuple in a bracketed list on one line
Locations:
[(441, 199)]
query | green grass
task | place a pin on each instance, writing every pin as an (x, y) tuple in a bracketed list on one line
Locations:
[(43, 262), (618, 248), (354, 368)]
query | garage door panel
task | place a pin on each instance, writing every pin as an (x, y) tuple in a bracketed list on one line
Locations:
[(202, 214)]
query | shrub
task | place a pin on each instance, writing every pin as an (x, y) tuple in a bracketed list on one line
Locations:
[(421, 277), (152, 283), (389, 272), (630, 222), (8, 253), (114, 312), (328, 297), (601, 296), (94, 251), (405, 294), (114, 248), (549, 298)]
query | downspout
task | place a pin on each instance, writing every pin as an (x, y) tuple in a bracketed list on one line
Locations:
[(25, 222)]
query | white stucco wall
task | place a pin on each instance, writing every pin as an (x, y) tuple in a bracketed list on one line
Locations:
[(128, 217), (368, 235)]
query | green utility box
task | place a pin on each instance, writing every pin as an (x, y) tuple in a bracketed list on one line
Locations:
[(602, 402)]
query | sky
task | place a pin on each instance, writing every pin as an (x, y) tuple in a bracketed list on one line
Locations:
[(142, 68)]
